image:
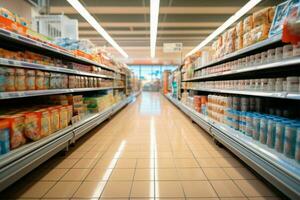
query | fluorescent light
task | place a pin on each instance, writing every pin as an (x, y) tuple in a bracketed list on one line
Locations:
[(247, 7), (92, 21), (154, 12)]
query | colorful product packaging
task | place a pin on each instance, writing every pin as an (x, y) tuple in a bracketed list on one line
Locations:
[(4, 137)]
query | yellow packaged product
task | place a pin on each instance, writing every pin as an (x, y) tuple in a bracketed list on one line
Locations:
[(45, 122), (32, 126), (239, 43), (230, 46), (248, 24), (239, 29), (271, 14), (63, 116), (260, 33), (20, 80), (54, 119), (261, 17), (247, 39)]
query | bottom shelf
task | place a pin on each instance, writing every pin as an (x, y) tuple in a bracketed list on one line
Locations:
[(282, 172), (21, 161)]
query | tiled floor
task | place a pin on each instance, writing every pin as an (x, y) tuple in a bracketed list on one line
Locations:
[(149, 150)]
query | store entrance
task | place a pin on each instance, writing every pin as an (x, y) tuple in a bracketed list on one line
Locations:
[(150, 75)]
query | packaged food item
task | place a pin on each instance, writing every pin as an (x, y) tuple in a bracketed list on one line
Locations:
[(278, 53), (247, 39), (63, 117), (239, 29), (53, 80), (46, 80), (30, 80), (10, 79), (296, 49), (4, 136), (297, 151), (2, 78), (239, 43), (7, 14), (290, 136), (287, 51), (45, 122), (271, 55), (292, 84), (271, 14), (260, 33), (16, 129), (20, 79), (279, 17), (54, 119), (32, 126), (248, 24), (261, 17), (72, 82), (40, 80)]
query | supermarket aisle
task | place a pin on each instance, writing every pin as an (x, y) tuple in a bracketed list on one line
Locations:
[(150, 149)]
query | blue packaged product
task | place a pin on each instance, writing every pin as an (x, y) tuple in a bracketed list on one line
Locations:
[(249, 125), (297, 148), (271, 132), (4, 136), (263, 129), (279, 137), (256, 127), (290, 137)]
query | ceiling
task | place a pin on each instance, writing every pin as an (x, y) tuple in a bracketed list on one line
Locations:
[(127, 21)]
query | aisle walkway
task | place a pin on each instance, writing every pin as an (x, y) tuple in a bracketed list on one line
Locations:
[(150, 149)]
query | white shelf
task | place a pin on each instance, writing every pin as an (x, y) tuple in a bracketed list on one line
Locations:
[(45, 47), (22, 160), (245, 50), (282, 95), (282, 172), (32, 93), (279, 64), (27, 65)]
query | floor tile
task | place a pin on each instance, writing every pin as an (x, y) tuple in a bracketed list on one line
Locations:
[(122, 175), (54, 175), (254, 188), (228, 162), (145, 163), (90, 190), (63, 189), (191, 174), (126, 163), (67, 163), (142, 189), (98, 174), (168, 189), (215, 174), (85, 163), (165, 163), (239, 173), (117, 189), (186, 163), (35, 190), (207, 162), (144, 174), (75, 175), (166, 174), (198, 189), (226, 188)]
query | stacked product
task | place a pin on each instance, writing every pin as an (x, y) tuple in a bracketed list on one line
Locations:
[(265, 57), (288, 84)]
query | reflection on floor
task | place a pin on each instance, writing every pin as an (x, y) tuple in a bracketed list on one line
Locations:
[(148, 150)]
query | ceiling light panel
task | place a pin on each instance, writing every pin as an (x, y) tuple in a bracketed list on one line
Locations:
[(154, 13), (92, 21)]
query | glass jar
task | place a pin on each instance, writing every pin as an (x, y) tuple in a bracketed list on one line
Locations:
[(30, 79), (20, 80), (39, 80)]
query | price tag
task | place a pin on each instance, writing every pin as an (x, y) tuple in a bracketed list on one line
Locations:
[(4, 62)]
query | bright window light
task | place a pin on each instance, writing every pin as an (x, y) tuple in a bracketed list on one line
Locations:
[(246, 8), (92, 21), (154, 12)]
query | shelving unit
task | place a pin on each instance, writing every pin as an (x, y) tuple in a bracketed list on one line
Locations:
[(18, 162), (282, 95), (282, 172), (274, 65)]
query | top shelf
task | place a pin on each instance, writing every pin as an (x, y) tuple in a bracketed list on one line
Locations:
[(258, 46), (42, 47)]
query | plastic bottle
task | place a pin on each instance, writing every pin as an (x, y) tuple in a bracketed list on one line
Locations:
[(290, 137), (256, 127), (271, 132), (297, 149), (263, 127)]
